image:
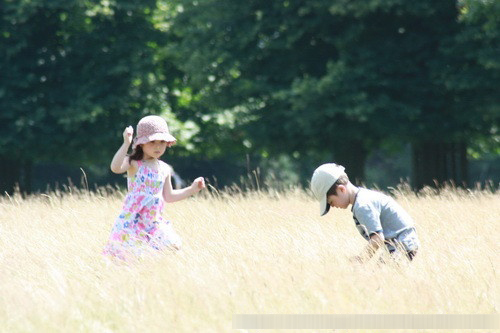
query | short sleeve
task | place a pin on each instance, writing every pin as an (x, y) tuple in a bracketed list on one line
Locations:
[(166, 168), (369, 217)]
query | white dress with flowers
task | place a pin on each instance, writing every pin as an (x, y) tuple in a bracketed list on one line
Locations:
[(141, 226)]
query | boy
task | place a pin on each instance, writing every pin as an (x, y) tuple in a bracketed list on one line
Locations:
[(378, 218)]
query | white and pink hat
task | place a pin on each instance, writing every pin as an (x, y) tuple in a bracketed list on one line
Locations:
[(151, 128)]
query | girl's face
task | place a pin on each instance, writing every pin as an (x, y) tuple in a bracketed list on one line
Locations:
[(339, 200), (154, 149)]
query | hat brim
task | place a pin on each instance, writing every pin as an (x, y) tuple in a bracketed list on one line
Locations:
[(153, 137), (324, 207)]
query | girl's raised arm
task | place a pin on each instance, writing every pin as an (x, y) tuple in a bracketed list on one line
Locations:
[(120, 162)]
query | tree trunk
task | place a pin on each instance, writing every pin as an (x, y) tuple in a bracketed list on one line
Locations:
[(10, 172), (436, 162), (352, 155), (15, 174), (26, 177)]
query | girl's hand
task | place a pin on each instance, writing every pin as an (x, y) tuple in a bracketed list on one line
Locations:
[(128, 134), (198, 184)]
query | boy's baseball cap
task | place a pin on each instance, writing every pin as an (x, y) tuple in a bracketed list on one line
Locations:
[(322, 179)]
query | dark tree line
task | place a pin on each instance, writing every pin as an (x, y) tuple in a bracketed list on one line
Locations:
[(315, 80), (334, 80)]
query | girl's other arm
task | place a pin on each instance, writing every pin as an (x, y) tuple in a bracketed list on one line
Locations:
[(120, 162), (171, 195)]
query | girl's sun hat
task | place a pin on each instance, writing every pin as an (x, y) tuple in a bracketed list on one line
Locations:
[(151, 128)]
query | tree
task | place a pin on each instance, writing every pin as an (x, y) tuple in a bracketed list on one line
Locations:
[(330, 80), (472, 77), (245, 58), (73, 75)]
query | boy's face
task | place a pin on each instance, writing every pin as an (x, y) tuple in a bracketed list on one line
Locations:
[(339, 200)]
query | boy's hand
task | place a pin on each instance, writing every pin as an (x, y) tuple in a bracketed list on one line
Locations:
[(356, 259), (128, 133), (198, 184)]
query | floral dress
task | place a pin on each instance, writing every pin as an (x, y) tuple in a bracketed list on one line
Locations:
[(140, 226)]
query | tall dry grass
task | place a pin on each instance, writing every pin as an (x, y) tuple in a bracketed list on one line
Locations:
[(244, 253)]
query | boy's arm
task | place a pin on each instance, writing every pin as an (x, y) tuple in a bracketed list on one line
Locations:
[(376, 241)]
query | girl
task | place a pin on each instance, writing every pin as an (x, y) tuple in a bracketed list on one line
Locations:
[(141, 226)]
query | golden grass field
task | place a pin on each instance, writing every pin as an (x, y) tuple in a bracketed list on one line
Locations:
[(244, 253)]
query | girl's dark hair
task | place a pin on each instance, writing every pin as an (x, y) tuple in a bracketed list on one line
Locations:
[(137, 153), (343, 180)]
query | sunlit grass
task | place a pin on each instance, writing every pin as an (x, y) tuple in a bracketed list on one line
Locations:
[(243, 253)]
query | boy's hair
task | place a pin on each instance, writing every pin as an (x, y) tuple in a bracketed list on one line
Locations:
[(137, 153), (342, 180)]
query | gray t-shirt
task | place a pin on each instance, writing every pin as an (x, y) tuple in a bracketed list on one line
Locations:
[(376, 212)]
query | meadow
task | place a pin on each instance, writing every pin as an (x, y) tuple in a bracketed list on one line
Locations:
[(255, 252)]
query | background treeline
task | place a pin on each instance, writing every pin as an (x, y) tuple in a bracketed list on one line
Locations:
[(390, 89)]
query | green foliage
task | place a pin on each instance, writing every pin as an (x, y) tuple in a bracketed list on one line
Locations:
[(284, 82), (74, 73), (318, 76), (472, 75), (343, 77)]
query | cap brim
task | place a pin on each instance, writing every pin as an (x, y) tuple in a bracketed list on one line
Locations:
[(324, 207)]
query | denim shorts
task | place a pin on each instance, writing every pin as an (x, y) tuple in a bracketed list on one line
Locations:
[(407, 241)]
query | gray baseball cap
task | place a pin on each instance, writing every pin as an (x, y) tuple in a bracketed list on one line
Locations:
[(322, 179)]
